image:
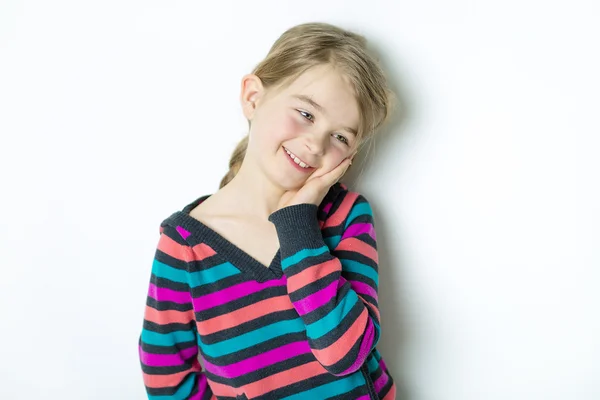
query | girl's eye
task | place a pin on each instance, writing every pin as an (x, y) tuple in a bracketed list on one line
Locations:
[(310, 117), (304, 114), (344, 140)]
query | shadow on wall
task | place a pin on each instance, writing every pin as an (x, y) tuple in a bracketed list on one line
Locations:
[(395, 335)]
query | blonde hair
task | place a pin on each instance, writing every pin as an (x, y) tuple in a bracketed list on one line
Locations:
[(311, 44)]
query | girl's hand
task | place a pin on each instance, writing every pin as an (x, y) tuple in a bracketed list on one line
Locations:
[(315, 188)]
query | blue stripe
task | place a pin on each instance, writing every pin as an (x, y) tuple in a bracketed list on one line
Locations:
[(181, 394), (167, 339), (332, 241), (197, 278), (165, 271), (360, 268), (213, 274), (331, 389), (377, 355), (373, 364), (333, 318), (253, 338), (358, 210), (301, 255)]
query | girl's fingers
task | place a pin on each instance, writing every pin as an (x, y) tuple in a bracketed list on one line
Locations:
[(316, 188), (334, 175)]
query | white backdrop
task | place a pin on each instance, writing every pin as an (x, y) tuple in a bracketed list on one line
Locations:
[(115, 114)]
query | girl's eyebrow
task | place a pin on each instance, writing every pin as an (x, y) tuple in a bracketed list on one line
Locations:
[(310, 101), (320, 108)]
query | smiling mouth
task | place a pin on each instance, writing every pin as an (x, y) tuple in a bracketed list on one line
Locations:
[(297, 160)]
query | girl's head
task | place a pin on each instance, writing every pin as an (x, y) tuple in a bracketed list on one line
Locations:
[(318, 94)]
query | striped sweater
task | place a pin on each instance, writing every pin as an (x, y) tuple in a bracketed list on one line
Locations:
[(306, 327)]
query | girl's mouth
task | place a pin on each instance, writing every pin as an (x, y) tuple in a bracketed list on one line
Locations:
[(296, 165)]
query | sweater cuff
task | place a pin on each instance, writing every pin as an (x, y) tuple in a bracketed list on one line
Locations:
[(297, 228)]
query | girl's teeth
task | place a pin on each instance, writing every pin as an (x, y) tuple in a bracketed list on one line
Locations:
[(297, 160)]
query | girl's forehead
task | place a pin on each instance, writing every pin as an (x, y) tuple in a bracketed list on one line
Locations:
[(320, 79)]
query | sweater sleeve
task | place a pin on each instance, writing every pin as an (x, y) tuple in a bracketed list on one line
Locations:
[(167, 345), (335, 293)]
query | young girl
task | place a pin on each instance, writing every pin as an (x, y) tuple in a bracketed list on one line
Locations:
[(273, 279)]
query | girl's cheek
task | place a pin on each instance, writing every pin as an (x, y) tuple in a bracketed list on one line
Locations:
[(295, 124), (291, 126), (281, 128), (338, 154)]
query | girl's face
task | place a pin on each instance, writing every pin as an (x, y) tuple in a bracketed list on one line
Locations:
[(315, 118)]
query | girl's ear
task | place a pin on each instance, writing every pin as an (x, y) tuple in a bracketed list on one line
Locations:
[(251, 92)]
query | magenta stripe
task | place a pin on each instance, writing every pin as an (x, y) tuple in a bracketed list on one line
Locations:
[(380, 382), (259, 361), (365, 347), (164, 294), (167, 360), (383, 364), (202, 388), (363, 288), (327, 207), (184, 233), (368, 338), (358, 229), (365, 397), (317, 299), (234, 292)]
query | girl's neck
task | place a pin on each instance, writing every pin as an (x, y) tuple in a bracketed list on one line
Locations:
[(251, 193)]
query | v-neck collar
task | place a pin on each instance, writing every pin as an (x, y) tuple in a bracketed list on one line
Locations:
[(202, 233)]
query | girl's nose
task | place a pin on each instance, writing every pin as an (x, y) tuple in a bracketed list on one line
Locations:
[(316, 144)]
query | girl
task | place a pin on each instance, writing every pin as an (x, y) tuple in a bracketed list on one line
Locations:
[(273, 279)]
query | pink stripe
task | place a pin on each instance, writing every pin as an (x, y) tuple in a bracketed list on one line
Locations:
[(358, 229), (234, 292), (163, 294), (317, 299), (167, 360), (363, 288), (259, 361), (365, 347)]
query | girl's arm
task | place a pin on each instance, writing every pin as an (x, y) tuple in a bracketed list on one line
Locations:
[(335, 293), (168, 347)]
